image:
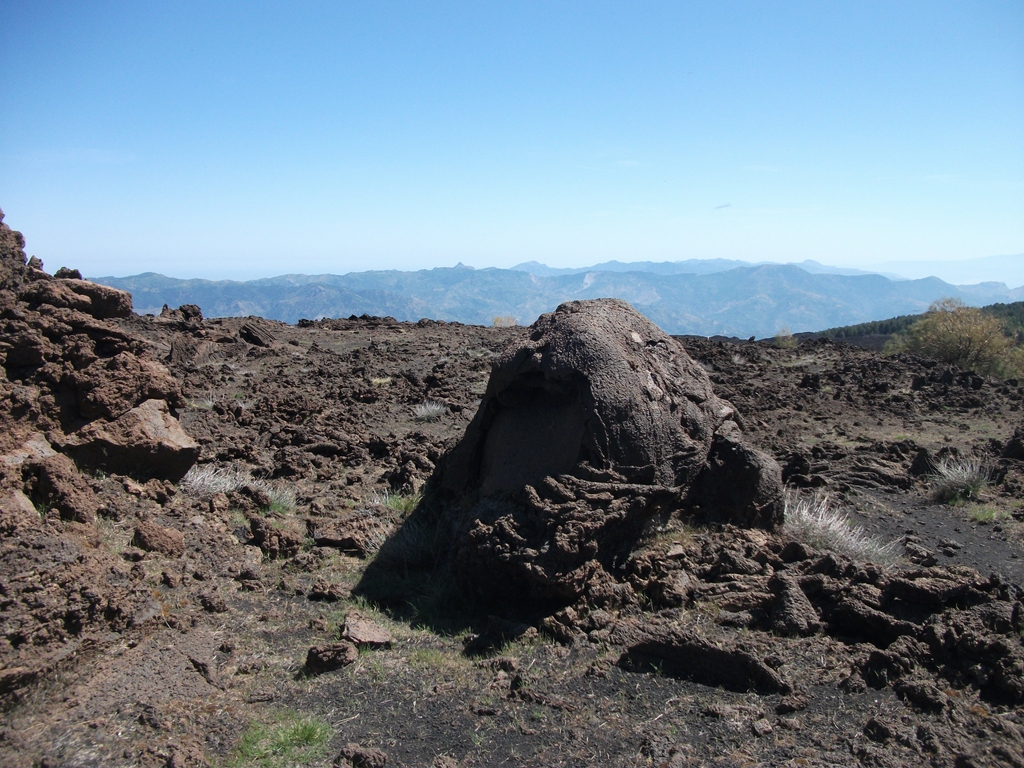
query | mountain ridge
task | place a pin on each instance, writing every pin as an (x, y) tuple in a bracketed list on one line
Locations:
[(743, 301)]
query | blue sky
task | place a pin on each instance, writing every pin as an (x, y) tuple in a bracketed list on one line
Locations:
[(252, 139)]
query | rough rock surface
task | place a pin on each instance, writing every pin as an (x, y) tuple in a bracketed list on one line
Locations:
[(326, 658), (152, 537), (67, 375)]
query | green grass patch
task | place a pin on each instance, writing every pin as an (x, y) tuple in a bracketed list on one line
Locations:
[(403, 503), (986, 515), (290, 740)]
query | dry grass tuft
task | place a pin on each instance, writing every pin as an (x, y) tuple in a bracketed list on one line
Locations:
[(429, 410), (815, 522), (959, 479), (202, 481)]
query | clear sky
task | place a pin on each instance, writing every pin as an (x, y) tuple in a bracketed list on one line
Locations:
[(242, 139)]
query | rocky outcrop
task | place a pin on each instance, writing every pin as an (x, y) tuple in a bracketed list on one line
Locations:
[(80, 398), (89, 387)]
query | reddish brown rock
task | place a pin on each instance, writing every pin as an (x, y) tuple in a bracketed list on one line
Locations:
[(147, 441), (99, 301), (366, 634), (361, 757), (156, 538), (360, 532), (275, 542), (16, 513), (57, 484)]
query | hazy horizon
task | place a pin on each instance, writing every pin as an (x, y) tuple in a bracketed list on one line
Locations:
[(955, 272)]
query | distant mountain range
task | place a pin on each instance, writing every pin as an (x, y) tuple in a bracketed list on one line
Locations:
[(723, 299), (1000, 269), (687, 267)]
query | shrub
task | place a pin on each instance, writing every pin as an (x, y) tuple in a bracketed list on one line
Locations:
[(784, 339), (504, 321), (429, 410), (815, 522), (957, 480), (954, 333)]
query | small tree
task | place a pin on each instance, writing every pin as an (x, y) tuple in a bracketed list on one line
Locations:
[(961, 335)]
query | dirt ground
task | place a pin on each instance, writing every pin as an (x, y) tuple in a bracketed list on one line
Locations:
[(191, 648)]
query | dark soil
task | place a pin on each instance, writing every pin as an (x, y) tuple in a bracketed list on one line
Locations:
[(166, 626)]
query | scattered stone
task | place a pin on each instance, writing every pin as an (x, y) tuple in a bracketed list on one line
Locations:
[(275, 542), (361, 757), (793, 702), (919, 555), (327, 591), (366, 634), (213, 603)]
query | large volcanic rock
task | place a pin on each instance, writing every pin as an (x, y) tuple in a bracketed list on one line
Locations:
[(599, 392), (593, 428)]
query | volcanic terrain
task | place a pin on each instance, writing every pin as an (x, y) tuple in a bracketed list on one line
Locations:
[(236, 541)]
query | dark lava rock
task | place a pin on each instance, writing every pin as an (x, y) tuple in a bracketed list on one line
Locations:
[(325, 658), (793, 614), (592, 427), (1015, 447), (598, 389)]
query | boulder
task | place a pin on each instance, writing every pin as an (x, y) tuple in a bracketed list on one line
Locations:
[(57, 484), (156, 538), (598, 391), (594, 427), (147, 441), (99, 301)]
